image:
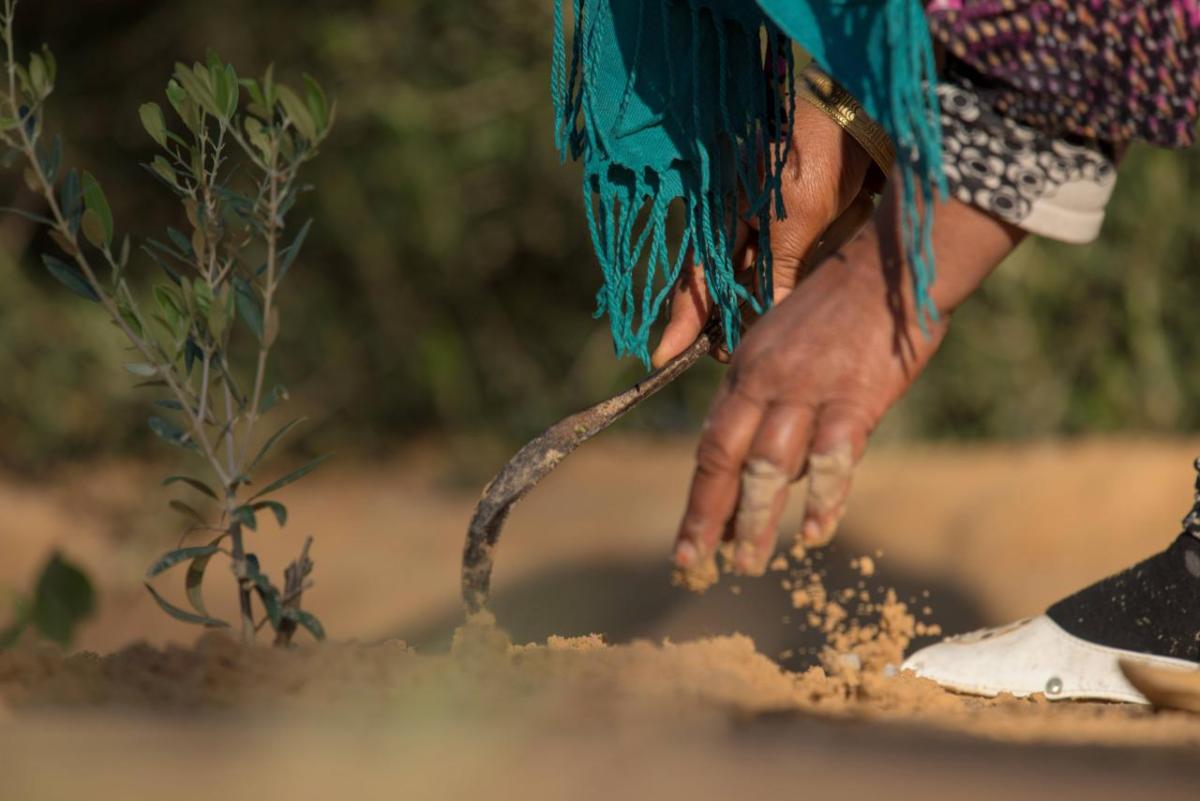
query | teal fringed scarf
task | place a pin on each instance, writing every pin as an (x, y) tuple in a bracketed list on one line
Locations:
[(685, 100)]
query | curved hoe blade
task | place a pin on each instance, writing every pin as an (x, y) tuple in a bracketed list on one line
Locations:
[(535, 461)]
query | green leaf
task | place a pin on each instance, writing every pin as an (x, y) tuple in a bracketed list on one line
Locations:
[(28, 215), (142, 370), (279, 393), (194, 581), (170, 302), (220, 313), (170, 432), (270, 599), (183, 615), (214, 62), (288, 256), (291, 477), (221, 91), (203, 294), (154, 122), (245, 515), (131, 320), (38, 76), (297, 111), (257, 133), (51, 64), (93, 228), (307, 620), (187, 511), (248, 307), (318, 104), (95, 202), (184, 106), (197, 83), (71, 200), (233, 91), (270, 92), (51, 160), (176, 95), (194, 483), (181, 241), (279, 510), (71, 278), (270, 443), (163, 169), (150, 249), (168, 561), (252, 88), (62, 599)]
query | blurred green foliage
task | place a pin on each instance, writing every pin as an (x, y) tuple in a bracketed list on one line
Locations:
[(63, 597), (448, 284), (1067, 339)]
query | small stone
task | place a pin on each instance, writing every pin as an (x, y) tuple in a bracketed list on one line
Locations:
[(852, 662)]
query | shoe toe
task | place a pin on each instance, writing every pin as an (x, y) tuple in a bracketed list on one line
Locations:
[(1028, 657)]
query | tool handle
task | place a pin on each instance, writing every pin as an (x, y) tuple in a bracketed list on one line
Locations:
[(533, 462)]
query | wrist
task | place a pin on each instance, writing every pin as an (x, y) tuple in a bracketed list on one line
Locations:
[(968, 245)]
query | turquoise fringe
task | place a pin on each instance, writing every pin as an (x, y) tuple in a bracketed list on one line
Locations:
[(678, 104)]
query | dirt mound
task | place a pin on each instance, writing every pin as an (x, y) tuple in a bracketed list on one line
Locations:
[(694, 716), (579, 681)]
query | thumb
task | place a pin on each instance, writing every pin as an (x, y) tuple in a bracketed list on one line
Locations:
[(691, 306)]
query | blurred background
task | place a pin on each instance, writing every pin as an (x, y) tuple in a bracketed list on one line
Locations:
[(448, 285), (444, 302)]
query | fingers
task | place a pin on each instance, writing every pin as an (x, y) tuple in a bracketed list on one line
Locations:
[(726, 440), (840, 437), (748, 458), (772, 464), (691, 306)]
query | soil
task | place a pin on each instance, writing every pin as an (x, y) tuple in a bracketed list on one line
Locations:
[(599, 679)]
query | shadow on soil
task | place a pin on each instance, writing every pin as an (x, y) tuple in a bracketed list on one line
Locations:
[(631, 599)]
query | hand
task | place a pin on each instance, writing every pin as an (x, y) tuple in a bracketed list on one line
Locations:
[(823, 179), (812, 379)]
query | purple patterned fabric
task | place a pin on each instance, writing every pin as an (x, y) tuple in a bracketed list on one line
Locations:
[(1110, 70)]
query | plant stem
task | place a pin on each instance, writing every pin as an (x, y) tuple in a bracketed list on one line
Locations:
[(239, 572), (28, 148), (273, 202)]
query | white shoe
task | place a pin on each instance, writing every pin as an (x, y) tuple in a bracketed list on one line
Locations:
[(1033, 656)]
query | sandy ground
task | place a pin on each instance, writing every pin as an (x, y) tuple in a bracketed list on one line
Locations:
[(980, 535)]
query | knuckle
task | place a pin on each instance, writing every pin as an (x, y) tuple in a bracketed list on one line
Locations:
[(744, 378), (843, 422), (713, 458)]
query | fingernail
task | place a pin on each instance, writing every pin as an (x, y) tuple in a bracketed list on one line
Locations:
[(686, 554), (812, 532)]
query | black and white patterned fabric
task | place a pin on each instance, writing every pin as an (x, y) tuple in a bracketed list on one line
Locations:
[(1035, 181)]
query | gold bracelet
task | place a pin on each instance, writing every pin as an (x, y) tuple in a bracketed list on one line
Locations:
[(829, 96)]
